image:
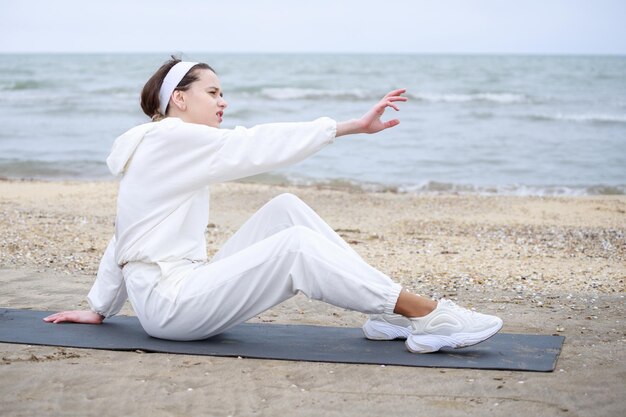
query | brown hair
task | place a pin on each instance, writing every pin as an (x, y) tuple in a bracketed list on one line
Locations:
[(150, 94)]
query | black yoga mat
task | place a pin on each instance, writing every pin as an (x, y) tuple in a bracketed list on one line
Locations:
[(284, 341)]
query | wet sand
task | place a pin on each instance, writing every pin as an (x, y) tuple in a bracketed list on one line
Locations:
[(545, 265)]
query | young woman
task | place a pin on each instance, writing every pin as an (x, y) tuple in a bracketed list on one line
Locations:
[(157, 258)]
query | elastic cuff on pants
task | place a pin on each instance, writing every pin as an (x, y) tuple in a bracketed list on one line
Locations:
[(394, 293)]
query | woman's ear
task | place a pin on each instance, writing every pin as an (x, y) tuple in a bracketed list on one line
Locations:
[(178, 99)]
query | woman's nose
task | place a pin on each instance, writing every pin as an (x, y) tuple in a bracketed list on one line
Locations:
[(223, 103)]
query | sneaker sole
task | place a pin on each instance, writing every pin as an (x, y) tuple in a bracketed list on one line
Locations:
[(379, 330), (428, 343)]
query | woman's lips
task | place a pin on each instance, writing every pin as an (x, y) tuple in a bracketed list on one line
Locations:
[(220, 114)]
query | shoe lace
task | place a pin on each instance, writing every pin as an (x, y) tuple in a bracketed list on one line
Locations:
[(457, 307)]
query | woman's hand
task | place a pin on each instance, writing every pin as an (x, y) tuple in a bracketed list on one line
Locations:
[(75, 316), (370, 122)]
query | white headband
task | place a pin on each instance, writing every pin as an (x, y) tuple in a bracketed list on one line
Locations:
[(170, 82)]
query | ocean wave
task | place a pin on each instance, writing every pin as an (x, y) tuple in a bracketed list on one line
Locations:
[(25, 85), (96, 170), (290, 93), (581, 118), (437, 187), (53, 170), (297, 93), (342, 184), (123, 92), (500, 98)]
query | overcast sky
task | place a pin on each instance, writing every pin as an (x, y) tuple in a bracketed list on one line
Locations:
[(396, 26)]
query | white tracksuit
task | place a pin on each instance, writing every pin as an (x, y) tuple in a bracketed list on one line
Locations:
[(157, 257)]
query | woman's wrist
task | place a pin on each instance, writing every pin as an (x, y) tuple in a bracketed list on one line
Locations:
[(97, 318), (98, 315), (349, 127)]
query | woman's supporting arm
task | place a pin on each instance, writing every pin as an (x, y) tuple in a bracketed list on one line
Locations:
[(107, 295)]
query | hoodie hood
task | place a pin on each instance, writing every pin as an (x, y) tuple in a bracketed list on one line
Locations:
[(124, 147)]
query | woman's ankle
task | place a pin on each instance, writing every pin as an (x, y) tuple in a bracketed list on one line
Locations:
[(411, 305)]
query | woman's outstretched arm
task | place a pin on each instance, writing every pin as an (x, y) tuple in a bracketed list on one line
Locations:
[(370, 122)]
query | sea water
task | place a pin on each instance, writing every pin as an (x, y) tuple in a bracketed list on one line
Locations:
[(506, 124)]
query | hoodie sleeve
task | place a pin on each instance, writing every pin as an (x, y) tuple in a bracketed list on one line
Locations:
[(199, 155), (108, 293), (245, 152)]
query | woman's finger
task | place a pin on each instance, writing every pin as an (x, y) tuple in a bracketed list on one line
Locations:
[(391, 123), (57, 317), (390, 104), (379, 108), (51, 317), (65, 316), (395, 92)]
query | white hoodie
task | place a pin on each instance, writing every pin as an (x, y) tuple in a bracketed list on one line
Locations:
[(163, 199)]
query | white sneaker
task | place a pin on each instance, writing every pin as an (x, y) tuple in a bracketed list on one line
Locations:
[(451, 326), (387, 327)]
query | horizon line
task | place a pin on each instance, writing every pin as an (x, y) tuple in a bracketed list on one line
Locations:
[(611, 54)]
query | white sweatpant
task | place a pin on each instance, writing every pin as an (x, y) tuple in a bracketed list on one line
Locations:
[(283, 249)]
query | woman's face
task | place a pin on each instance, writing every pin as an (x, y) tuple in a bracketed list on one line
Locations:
[(203, 100)]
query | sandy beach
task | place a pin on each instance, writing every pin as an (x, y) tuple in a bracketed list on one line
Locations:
[(546, 265)]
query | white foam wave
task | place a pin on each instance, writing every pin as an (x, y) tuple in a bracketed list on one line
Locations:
[(580, 118), (293, 93), (434, 187), (602, 118), (439, 188), (289, 93), (502, 98)]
